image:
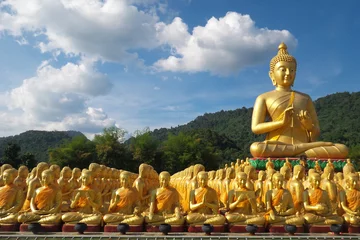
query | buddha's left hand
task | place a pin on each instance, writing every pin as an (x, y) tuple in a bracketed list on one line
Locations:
[(305, 119)]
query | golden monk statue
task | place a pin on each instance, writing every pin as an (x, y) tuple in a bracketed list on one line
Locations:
[(242, 204), (317, 204), (350, 200), (328, 184), (124, 204), (20, 180), (11, 198), (164, 204), (204, 204), (279, 204), (45, 202), (296, 187), (85, 203), (293, 128)]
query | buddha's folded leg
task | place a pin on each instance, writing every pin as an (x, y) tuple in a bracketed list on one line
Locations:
[(235, 217), (216, 220), (256, 220), (91, 219), (336, 151), (134, 220), (113, 218), (51, 219), (313, 218), (354, 220), (28, 218), (71, 217), (9, 219), (295, 220), (195, 218), (175, 220), (156, 219), (334, 220)]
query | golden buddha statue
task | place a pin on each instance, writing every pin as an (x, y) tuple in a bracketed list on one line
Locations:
[(34, 184), (2, 170), (56, 170), (95, 169), (328, 184), (317, 204), (45, 202), (66, 187), (20, 180), (280, 206), (204, 204), (11, 198), (294, 127), (85, 203), (350, 200), (76, 173), (296, 187), (250, 172), (268, 185), (124, 204), (226, 186), (242, 204), (306, 182), (142, 186), (31, 175), (285, 171), (164, 204), (259, 188)]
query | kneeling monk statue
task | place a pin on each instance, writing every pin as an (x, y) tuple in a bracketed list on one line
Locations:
[(45, 204), (204, 204), (164, 204), (293, 128), (125, 204)]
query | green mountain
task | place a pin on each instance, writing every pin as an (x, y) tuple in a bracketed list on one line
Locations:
[(338, 116), (37, 142)]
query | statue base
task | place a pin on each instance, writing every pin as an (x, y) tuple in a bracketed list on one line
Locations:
[(174, 228), (281, 229), (133, 228), (319, 229), (353, 228), (44, 228), (90, 228), (242, 229), (198, 228), (9, 227)]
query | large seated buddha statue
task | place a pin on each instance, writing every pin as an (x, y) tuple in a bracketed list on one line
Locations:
[(279, 204), (85, 202), (124, 204), (164, 204), (11, 198), (204, 204), (45, 202), (318, 209), (242, 204), (293, 127)]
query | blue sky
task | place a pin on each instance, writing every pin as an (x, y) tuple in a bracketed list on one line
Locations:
[(85, 65)]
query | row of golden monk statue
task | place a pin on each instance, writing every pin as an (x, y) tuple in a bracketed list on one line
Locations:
[(236, 194)]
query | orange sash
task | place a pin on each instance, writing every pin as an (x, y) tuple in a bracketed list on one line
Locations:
[(42, 198), (353, 199), (127, 197), (166, 198), (315, 197), (278, 197), (200, 195), (5, 194)]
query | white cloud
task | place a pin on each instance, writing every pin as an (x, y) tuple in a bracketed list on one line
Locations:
[(223, 46), (156, 88)]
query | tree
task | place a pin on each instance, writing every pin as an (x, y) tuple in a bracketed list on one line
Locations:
[(144, 147), (79, 152), (28, 159), (11, 155)]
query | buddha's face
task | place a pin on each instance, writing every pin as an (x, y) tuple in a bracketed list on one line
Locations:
[(66, 173), (352, 182), (203, 180), (315, 181), (164, 180), (76, 173), (125, 180), (47, 178), (242, 181), (23, 173), (283, 74), (8, 177), (278, 181), (86, 179)]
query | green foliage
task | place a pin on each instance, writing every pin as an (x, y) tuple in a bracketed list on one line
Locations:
[(144, 147)]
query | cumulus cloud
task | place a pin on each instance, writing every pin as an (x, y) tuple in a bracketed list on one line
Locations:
[(105, 30), (223, 46)]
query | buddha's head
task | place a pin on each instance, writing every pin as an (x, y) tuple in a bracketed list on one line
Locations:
[(202, 178), (164, 179), (125, 179), (86, 177), (299, 172), (9, 176), (261, 175), (56, 169), (76, 173), (269, 164), (23, 172), (47, 177), (241, 179), (65, 172), (283, 68), (277, 180), (329, 172), (212, 175), (238, 161), (352, 180), (95, 169), (4, 167), (230, 173), (198, 168), (315, 180), (250, 171), (285, 171), (269, 173), (42, 166)]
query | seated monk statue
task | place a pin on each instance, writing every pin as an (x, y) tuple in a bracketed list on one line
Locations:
[(45, 203), (328, 184), (164, 204), (124, 204), (296, 188), (259, 187), (350, 200), (279, 204), (242, 204), (2, 170), (317, 204), (204, 204), (11, 198), (85, 203), (20, 180), (293, 127)]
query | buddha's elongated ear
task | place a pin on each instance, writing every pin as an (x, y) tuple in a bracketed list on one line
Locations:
[(271, 75)]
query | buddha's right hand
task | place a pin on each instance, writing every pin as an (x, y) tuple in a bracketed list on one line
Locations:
[(287, 115)]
